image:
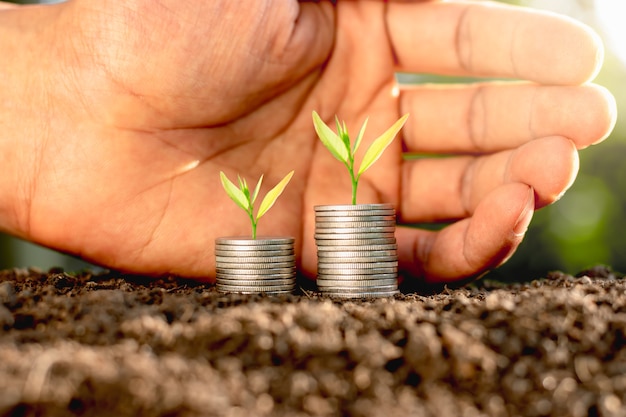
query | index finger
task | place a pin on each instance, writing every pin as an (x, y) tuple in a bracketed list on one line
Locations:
[(495, 40)]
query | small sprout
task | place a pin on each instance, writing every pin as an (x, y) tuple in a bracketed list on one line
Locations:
[(242, 197), (339, 145)]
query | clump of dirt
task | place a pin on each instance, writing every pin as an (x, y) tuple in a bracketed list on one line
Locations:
[(117, 345)]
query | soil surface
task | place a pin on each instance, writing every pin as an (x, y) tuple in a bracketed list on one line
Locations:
[(115, 345)]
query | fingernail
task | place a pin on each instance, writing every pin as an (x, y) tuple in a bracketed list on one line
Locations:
[(521, 225)]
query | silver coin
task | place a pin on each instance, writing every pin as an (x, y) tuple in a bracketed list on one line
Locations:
[(354, 236), (251, 271), (356, 271), (356, 248), (247, 260), (357, 277), (258, 242), (253, 253), (363, 259), (252, 282), (256, 275), (349, 283), (363, 262), (254, 247), (289, 249), (329, 255), (343, 295), (267, 293), (255, 265), (255, 288), (354, 225), (356, 218), (223, 276), (358, 254), (268, 286), (353, 207), (361, 208), (321, 217), (357, 265), (377, 288), (255, 291), (259, 279), (354, 289), (243, 270), (355, 230)]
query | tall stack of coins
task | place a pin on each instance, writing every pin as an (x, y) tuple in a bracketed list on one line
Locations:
[(252, 266), (356, 250)]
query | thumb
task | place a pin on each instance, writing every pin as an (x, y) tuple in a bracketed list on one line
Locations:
[(281, 49), (295, 45)]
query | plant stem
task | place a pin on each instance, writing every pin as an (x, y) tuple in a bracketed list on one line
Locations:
[(355, 183), (251, 215), (355, 180)]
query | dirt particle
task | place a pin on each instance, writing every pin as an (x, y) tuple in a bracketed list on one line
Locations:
[(7, 294), (6, 318)]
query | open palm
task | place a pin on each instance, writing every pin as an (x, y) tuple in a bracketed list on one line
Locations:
[(146, 102)]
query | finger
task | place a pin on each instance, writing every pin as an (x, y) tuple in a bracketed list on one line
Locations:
[(473, 245), (455, 187), (292, 41), (489, 39), (309, 37), (5, 5), (492, 117)]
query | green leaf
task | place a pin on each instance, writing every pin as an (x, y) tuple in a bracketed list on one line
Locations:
[(343, 134), (381, 143), (346, 136), (272, 195), (246, 190), (359, 138), (256, 189), (233, 192), (330, 139), (338, 125)]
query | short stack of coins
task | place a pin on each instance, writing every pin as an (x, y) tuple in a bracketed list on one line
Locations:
[(251, 266), (356, 250)]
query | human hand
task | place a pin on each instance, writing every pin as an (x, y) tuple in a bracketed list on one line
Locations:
[(142, 103)]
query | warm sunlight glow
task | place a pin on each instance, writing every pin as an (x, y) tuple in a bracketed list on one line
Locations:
[(606, 16), (395, 91), (188, 167), (612, 13)]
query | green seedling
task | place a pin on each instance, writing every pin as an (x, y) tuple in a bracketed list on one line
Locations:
[(242, 197), (340, 146)]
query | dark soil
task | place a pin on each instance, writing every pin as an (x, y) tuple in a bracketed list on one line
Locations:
[(122, 346)]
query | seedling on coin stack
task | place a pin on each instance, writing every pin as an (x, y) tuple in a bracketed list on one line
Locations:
[(243, 198), (256, 265), (339, 144), (356, 246)]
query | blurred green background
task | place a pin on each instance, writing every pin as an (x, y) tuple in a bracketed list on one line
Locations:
[(583, 229)]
